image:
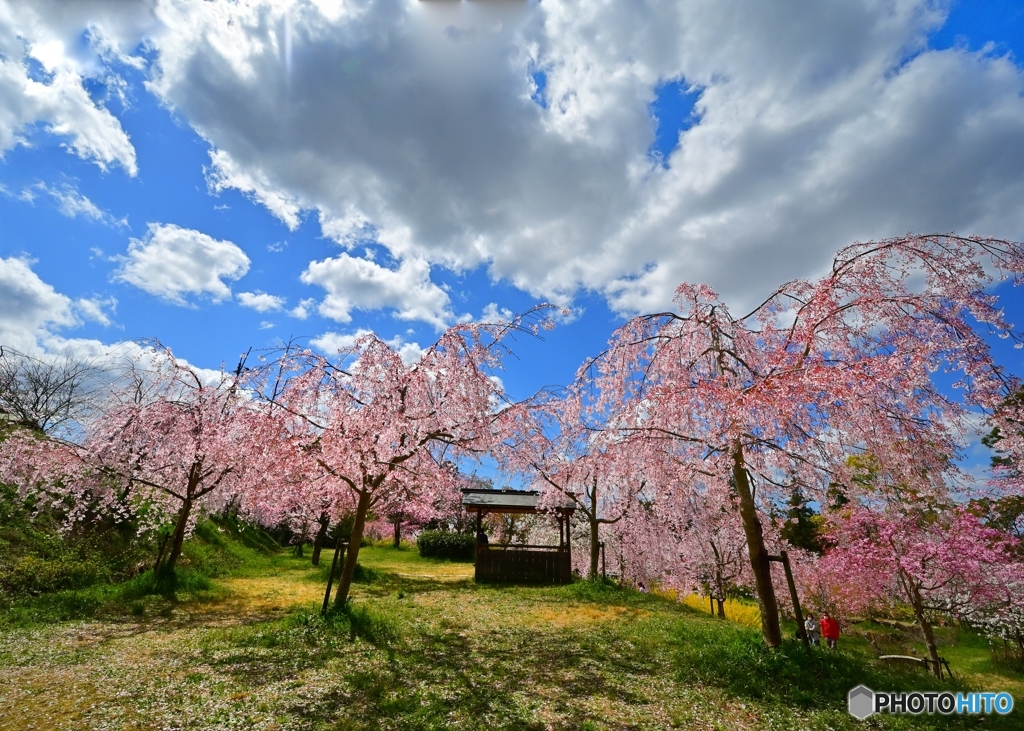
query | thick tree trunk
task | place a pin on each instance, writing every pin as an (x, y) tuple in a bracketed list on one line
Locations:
[(595, 547), (321, 536), (721, 608), (345, 583), (398, 533), (926, 630), (770, 629), (178, 538)]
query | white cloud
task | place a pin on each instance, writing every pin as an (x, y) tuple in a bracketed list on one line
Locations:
[(816, 126), (225, 174), (32, 312), (301, 310), (331, 342), (261, 301), (72, 203), (409, 352), (29, 306), (354, 283), (95, 309), (171, 262), (493, 314), (50, 34), (266, 325)]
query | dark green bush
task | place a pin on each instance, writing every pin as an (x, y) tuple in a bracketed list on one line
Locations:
[(445, 544), (36, 575)]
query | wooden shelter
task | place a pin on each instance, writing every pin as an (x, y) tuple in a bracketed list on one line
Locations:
[(519, 564)]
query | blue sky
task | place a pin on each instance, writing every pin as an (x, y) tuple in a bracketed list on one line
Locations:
[(398, 166)]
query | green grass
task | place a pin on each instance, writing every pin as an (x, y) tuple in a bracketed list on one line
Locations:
[(217, 549), (422, 647)]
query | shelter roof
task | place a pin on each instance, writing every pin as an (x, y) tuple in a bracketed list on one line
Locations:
[(503, 501)]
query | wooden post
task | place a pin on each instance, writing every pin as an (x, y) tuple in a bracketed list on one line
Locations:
[(339, 550), (568, 544), (783, 558)]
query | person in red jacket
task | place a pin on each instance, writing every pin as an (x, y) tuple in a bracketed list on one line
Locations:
[(830, 630)]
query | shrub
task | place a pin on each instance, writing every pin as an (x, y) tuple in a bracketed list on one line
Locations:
[(445, 544)]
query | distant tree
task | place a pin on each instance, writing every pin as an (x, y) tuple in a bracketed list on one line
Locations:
[(713, 548), (46, 393), (565, 447), (946, 563), (803, 526)]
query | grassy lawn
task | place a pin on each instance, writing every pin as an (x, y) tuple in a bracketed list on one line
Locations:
[(423, 647)]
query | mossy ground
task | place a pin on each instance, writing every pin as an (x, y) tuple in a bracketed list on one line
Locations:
[(423, 647)]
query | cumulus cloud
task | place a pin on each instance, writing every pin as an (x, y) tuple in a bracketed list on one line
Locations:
[(354, 283), (96, 309), (32, 312), (171, 261), (301, 310), (494, 314), (814, 126), (29, 306), (47, 34), (422, 126), (225, 174), (330, 343), (261, 301)]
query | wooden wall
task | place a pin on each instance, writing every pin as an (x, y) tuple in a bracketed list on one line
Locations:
[(495, 565)]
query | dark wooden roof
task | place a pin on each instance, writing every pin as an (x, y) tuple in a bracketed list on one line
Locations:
[(503, 501)]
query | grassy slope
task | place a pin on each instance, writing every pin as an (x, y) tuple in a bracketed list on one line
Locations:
[(425, 648)]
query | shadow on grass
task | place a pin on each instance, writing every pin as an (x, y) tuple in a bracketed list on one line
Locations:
[(108, 600), (737, 660), (391, 673)]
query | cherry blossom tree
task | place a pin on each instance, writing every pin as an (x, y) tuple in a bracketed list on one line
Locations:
[(386, 429), (291, 489), (573, 459), (935, 562), (713, 548), (820, 370), (164, 443)]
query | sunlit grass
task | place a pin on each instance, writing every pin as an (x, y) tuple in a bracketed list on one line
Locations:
[(741, 612), (423, 647)]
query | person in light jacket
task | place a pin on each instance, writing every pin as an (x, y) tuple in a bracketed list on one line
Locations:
[(811, 628)]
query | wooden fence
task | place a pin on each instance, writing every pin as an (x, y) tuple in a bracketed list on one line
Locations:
[(523, 565)]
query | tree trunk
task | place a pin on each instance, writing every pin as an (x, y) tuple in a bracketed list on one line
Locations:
[(160, 553), (179, 536), (721, 608), (595, 547), (398, 533), (926, 630), (345, 583), (321, 536), (770, 629)]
